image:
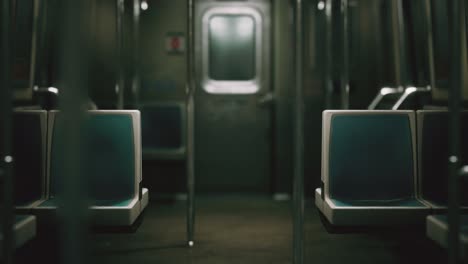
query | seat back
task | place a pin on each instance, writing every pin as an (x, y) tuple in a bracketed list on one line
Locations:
[(111, 155), (29, 152), (163, 128), (369, 155), (433, 153)]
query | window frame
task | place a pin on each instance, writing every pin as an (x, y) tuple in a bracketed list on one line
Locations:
[(213, 86)]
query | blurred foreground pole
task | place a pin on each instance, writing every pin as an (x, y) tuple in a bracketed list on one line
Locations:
[(74, 37), (6, 162), (455, 21)]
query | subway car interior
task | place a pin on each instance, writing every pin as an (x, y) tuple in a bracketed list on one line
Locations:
[(234, 131)]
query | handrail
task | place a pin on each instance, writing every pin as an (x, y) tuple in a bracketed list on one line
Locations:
[(382, 93), (408, 92), (52, 90)]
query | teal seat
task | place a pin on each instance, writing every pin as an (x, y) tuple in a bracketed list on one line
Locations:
[(110, 167), (371, 158), (163, 130), (369, 169), (108, 158)]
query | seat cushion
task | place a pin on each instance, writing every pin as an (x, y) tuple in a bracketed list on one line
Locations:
[(108, 158), (371, 158)]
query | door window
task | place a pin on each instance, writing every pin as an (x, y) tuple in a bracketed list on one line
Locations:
[(232, 50)]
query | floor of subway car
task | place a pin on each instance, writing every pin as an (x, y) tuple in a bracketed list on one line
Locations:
[(239, 229)]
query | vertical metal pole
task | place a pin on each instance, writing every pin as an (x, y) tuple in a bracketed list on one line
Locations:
[(190, 157), (298, 185), (72, 214), (120, 54), (430, 42), (329, 54), (6, 154), (376, 16), (34, 43), (396, 43), (136, 53), (402, 44), (454, 128), (345, 47)]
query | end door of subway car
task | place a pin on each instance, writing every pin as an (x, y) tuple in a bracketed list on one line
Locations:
[(232, 120)]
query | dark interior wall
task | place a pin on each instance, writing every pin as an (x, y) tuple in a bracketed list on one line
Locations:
[(371, 60), (364, 52), (440, 94), (163, 73), (104, 57), (163, 79)]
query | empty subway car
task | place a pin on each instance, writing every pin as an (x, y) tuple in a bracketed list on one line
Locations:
[(224, 131)]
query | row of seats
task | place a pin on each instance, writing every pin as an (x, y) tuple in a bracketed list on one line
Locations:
[(38, 153), (385, 167), (111, 165)]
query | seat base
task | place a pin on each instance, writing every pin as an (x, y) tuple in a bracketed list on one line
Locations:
[(318, 199), (144, 199), (439, 208), (24, 230), (347, 214), (437, 230), (121, 215), (26, 208)]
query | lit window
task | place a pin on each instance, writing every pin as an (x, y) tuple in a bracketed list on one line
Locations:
[(231, 48)]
